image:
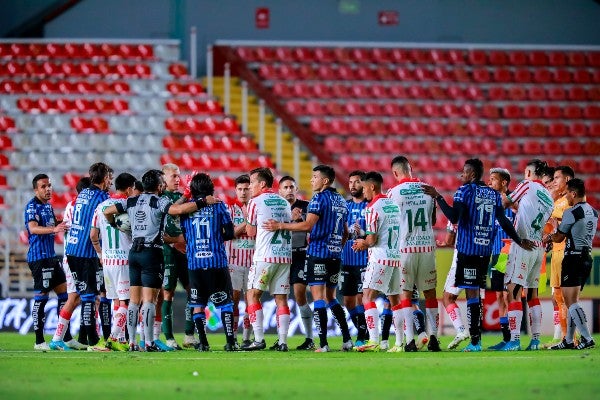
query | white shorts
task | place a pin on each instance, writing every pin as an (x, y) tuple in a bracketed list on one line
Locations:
[(239, 277), (523, 267), (70, 282), (383, 278), (269, 277), (418, 269), (450, 279), (116, 281)]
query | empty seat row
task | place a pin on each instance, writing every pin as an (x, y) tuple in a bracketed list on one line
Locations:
[(193, 106), (120, 123), (206, 143), (77, 50), (209, 125), (66, 105), (321, 90), (221, 162), (418, 56)]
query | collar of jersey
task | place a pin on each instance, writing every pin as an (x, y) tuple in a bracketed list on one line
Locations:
[(400, 182), (538, 181), (118, 196), (238, 203), (264, 191), (379, 196)]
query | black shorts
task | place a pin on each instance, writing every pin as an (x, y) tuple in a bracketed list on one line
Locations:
[(204, 283), (322, 271), (84, 271), (146, 267), (297, 273), (47, 274), (471, 271), (576, 269), (175, 269), (100, 279), (497, 280), (351, 280)]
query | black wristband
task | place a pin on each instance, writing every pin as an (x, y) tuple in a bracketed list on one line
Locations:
[(439, 197), (201, 203)]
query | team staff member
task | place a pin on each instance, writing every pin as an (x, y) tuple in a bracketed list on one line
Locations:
[(45, 268), (578, 227)]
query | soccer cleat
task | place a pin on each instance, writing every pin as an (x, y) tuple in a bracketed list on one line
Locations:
[(75, 345), (534, 345), (58, 345), (98, 348), (283, 347), (585, 344), (359, 343), (275, 345), (202, 348), (246, 342), (231, 347), (422, 340), (513, 345), (161, 345), (370, 346), (551, 343), (256, 346), (190, 341), (347, 345), (411, 347), (434, 344), (41, 346), (460, 337), (324, 349), (563, 345), (498, 346), (153, 348), (397, 349), (142, 344), (115, 345), (133, 347), (384, 345), (472, 348), (308, 344), (172, 343)]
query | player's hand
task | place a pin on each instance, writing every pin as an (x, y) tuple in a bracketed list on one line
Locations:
[(440, 243), (180, 246), (359, 245), (296, 214), (528, 244), (62, 227), (429, 190), (212, 200), (271, 225)]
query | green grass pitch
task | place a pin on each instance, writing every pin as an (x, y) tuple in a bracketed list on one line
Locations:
[(27, 374)]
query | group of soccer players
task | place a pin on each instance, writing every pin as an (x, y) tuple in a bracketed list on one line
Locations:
[(374, 244)]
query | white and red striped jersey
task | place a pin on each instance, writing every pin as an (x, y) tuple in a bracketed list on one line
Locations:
[(241, 249), (534, 207), (67, 218), (383, 219), (416, 210), (272, 247), (115, 244)]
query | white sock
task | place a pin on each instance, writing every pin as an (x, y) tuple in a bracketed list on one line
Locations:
[(306, 314), (156, 330), (515, 316), (256, 319), (398, 318), (455, 316), (535, 318), (409, 331), (283, 324), (433, 320), (119, 323), (61, 329), (372, 318), (132, 321), (557, 327)]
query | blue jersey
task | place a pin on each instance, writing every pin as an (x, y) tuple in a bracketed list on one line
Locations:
[(499, 233), (327, 234), (476, 224), (356, 215), (40, 246), (203, 231), (79, 243)]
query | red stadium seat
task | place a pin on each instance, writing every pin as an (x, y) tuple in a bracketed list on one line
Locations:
[(517, 58), (477, 57), (502, 75), (591, 112), (510, 147), (538, 58), (558, 129), (324, 55), (517, 129), (7, 124), (498, 57), (481, 75), (542, 75), (557, 94), (577, 129), (304, 54), (532, 111)]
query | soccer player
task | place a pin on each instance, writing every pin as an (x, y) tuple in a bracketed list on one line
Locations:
[(474, 209), (82, 258), (534, 205), (288, 189), (383, 273), (175, 266), (146, 263), (562, 174), (499, 180), (272, 257), (114, 256), (206, 231), (326, 222), (41, 225), (354, 263), (578, 227), (417, 251), (240, 251)]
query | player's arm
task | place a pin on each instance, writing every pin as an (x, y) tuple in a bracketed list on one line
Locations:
[(345, 234), (95, 239), (453, 212), (228, 231), (556, 237), (304, 226), (109, 213), (449, 239), (35, 229), (508, 227), (173, 239), (363, 244)]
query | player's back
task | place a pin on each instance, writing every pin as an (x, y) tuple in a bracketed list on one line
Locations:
[(270, 246), (115, 244), (78, 243), (535, 206), (383, 219), (327, 234), (203, 231)]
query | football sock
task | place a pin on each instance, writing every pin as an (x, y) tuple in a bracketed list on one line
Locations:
[(247, 328), (142, 329), (398, 317), (456, 317), (88, 318), (283, 323), (38, 314), (119, 323), (433, 316), (156, 327), (474, 319), (105, 317), (320, 317), (504, 328), (148, 313), (563, 313), (557, 325), (535, 318), (515, 315), (419, 321), (62, 300), (227, 319), (340, 317), (256, 319), (386, 323), (83, 337), (199, 319), (372, 320), (62, 326), (132, 321), (362, 323), (189, 323), (236, 322), (578, 316), (406, 308), (167, 318), (306, 315)]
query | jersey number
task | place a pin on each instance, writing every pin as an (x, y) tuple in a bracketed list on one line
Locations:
[(417, 220), (113, 237), (393, 235), (483, 209), (284, 234), (537, 222), (199, 224)]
